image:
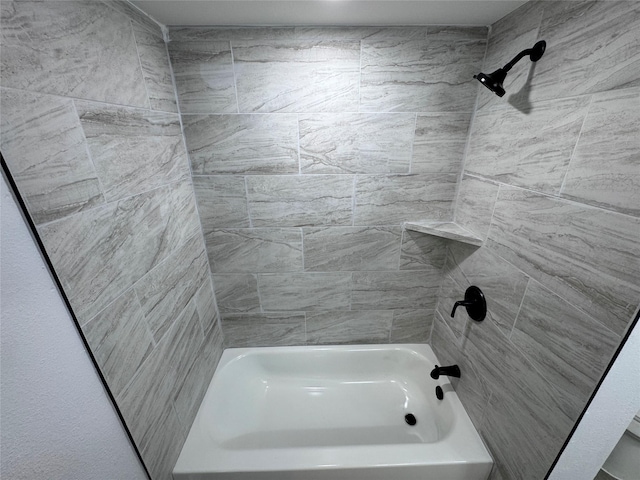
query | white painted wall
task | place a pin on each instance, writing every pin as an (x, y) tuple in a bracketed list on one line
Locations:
[(57, 421), (608, 416)]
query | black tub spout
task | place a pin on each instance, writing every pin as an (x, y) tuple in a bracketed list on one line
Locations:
[(451, 371)]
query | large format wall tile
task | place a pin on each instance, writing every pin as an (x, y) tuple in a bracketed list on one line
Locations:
[(430, 75), (572, 65), (222, 202), (165, 291), (44, 146), (145, 401), (100, 253), (440, 142), (154, 60), (120, 340), (206, 306), (264, 330), (411, 326), (203, 74), (356, 143), (394, 290), (422, 197), (605, 167), (237, 144), (257, 250), (279, 75), (543, 140), (237, 293), (475, 203), (422, 252), (295, 201), (305, 291), (502, 283), (349, 327), (351, 248), (33, 39), (570, 348), (118, 137), (589, 257)]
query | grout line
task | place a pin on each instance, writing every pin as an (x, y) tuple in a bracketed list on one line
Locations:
[(515, 321), (575, 147), (454, 203), (142, 75), (493, 212), (144, 317), (413, 143), (246, 194), (235, 83)]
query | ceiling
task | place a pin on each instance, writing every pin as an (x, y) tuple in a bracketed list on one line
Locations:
[(327, 12)]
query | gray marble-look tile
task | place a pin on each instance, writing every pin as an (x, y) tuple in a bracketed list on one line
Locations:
[(432, 75), (206, 305), (296, 76), (144, 401), (571, 348), (530, 150), (222, 201), (44, 147), (235, 144), (203, 73), (133, 150), (356, 143), (351, 248), (394, 199), (295, 201), (415, 289), (255, 250), (264, 330), (508, 371), (120, 340), (195, 383), (589, 257), (305, 291), (524, 438), (161, 452), (474, 205), (236, 293), (411, 326), (166, 290), (156, 70), (605, 167), (422, 252), (439, 142), (77, 49), (101, 252), (137, 16), (572, 66), (502, 283), (333, 328)]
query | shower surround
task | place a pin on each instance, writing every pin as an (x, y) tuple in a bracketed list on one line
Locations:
[(551, 181), (282, 175), (309, 148)]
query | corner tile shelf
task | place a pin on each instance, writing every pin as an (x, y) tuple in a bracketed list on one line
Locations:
[(449, 230)]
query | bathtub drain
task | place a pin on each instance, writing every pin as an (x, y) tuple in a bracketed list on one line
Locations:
[(410, 419)]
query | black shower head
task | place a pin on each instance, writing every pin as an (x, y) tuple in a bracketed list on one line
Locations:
[(493, 81)]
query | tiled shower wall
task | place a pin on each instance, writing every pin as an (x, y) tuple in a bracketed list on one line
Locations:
[(92, 137), (309, 149), (552, 183)]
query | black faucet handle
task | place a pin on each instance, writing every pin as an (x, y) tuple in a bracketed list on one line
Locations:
[(474, 302)]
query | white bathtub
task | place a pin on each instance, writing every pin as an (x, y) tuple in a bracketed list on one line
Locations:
[(335, 412)]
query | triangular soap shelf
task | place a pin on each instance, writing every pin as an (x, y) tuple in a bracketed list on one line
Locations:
[(449, 230)]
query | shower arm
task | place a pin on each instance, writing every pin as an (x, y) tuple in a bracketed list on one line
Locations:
[(517, 58)]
